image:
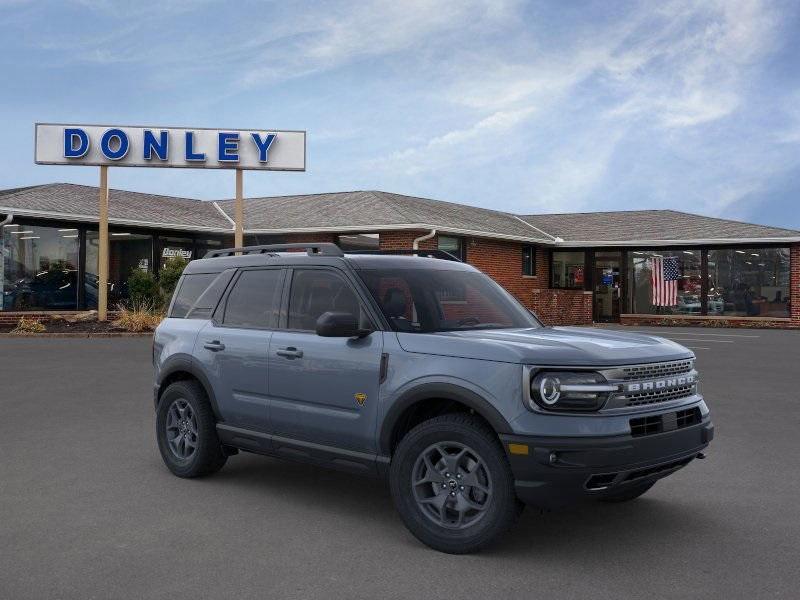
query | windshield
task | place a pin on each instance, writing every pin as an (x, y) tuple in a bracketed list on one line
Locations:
[(432, 300)]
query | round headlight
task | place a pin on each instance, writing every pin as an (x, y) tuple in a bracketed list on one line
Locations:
[(549, 389), (569, 390)]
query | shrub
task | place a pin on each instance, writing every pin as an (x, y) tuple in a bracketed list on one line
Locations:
[(139, 317), (143, 288), (26, 325), (169, 275)]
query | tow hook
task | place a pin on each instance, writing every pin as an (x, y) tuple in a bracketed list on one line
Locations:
[(700, 455)]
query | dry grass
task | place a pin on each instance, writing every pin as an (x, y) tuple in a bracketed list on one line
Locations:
[(139, 317), (26, 325)]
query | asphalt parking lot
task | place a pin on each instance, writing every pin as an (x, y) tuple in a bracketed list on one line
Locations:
[(87, 509)]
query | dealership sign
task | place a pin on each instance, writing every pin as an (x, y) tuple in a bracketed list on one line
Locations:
[(193, 148)]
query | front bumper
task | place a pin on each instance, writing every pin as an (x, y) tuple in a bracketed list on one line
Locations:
[(558, 471)]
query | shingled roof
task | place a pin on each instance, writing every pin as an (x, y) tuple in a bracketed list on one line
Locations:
[(374, 210), (364, 211), (79, 202), (644, 226)]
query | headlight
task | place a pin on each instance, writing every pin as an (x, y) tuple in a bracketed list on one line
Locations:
[(570, 390)]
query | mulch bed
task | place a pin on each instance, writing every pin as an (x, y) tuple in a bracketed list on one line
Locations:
[(59, 326)]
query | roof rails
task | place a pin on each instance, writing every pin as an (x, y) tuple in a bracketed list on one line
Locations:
[(320, 249), (441, 254)]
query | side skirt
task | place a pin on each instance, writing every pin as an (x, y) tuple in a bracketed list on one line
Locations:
[(340, 459)]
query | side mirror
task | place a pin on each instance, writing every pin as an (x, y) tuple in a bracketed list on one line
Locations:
[(339, 324)]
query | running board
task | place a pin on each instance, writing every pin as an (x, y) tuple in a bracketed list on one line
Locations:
[(351, 461)]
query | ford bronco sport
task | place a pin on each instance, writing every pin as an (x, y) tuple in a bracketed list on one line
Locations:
[(421, 370)]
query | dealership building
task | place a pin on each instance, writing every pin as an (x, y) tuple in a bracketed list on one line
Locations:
[(650, 266)]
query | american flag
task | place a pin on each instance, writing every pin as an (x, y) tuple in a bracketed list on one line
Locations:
[(664, 279)]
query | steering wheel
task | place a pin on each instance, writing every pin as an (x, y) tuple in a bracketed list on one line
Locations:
[(468, 321)]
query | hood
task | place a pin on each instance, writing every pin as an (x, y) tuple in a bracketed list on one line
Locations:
[(557, 346)]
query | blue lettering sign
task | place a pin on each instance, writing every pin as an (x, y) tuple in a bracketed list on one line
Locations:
[(190, 153), (122, 144), (228, 147), (71, 136), (263, 145), (159, 146)]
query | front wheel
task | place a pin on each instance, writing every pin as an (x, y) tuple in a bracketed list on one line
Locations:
[(186, 431), (452, 484)]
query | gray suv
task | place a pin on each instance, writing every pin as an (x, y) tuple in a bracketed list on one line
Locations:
[(421, 370)]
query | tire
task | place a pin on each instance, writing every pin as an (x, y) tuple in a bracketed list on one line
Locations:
[(192, 419), (440, 511), (628, 494)]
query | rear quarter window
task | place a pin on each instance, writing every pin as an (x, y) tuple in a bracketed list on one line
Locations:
[(189, 290)]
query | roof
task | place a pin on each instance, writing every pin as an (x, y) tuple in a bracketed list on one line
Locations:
[(80, 202), (365, 211), (644, 226), (374, 210)]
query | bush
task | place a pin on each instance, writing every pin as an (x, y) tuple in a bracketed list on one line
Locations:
[(143, 288), (169, 275), (139, 317), (26, 325)]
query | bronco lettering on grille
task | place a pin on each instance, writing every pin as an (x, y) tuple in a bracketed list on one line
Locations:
[(658, 384)]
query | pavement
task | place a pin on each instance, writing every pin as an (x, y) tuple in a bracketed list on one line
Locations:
[(87, 509)]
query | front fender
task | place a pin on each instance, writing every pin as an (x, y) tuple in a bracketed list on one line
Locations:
[(438, 390)]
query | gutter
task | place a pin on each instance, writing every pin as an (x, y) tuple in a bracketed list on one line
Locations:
[(224, 214), (422, 238)]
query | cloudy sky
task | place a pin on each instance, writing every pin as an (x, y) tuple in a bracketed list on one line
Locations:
[(553, 106)]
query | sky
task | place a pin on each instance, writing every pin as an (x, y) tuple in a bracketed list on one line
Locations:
[(529, 107)]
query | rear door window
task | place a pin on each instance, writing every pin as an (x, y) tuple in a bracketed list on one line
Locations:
[(254, 300)]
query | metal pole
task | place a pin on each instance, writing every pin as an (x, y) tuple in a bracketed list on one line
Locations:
[(102, 255), (238, 239)]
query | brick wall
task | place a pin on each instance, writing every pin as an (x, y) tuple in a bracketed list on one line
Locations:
[(563, 307)]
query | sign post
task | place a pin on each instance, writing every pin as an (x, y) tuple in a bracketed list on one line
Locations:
[(103, 253), (238, 235), (175, 147)]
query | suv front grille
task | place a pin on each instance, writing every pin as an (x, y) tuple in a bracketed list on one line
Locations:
[(659, 396), (649, 373), (656, 370)]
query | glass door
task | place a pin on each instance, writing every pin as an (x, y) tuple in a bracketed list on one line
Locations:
[(607, 286)]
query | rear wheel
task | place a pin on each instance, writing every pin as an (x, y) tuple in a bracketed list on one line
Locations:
[(186, 431), (452, 485), (629, 493)]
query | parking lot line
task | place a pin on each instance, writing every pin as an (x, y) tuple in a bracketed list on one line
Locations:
[(697, 348)]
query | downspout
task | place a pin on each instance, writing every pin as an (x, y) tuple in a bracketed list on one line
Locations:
[(7, 220), (427, 236)]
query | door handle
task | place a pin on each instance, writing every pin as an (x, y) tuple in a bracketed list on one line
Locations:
[(290, 352), (214, 346)]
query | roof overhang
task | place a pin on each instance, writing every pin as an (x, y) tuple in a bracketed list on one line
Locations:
[(111, 220), (685, 242), (403, 227)]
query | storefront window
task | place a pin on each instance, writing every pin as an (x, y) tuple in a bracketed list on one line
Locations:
[(666, 282), (39, 268), (568, 270), (128, 251), (453, 245), (205, 245), (747, 282), (172, 247), (360, 241)]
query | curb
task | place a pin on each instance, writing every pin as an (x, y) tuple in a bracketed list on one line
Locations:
[(121, 334)]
